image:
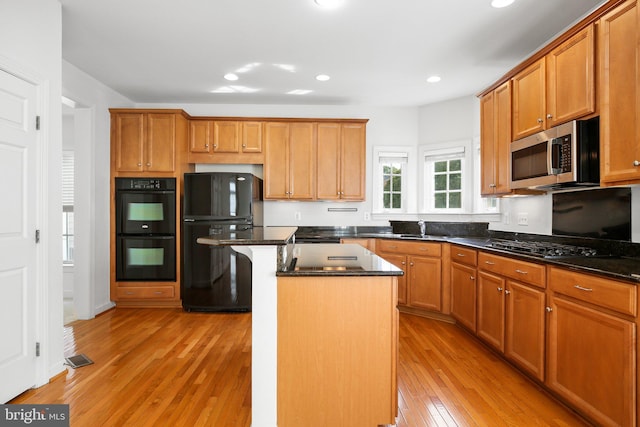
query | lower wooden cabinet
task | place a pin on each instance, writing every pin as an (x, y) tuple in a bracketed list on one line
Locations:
[(463, 295), (591, 350), (422, 265), (511, 315)]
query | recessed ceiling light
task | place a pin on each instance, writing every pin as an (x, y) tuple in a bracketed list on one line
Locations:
[(322, 77), (434, 79), (501, 3), (230, 76), (329, 4)]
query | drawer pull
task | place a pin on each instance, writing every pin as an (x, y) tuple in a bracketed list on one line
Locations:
[(522, 272), (582, 288), (490, 263), (393, 247), (461, 255), (158, 292)]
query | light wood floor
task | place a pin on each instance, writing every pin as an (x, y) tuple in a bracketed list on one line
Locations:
[(164, 367)]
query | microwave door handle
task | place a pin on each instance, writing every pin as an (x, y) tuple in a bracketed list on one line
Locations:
[(555, 156)]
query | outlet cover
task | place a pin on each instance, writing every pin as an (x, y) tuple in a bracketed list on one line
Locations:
[(523, 218)]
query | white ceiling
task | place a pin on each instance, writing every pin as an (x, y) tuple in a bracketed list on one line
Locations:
[(377, 52)]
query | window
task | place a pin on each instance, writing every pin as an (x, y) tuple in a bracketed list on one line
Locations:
[(391, 180), (446, 188), (67, 207)]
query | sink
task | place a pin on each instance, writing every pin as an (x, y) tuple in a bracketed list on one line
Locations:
[(419, 236)]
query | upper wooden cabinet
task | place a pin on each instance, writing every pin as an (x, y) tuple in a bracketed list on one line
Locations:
[(619, 91), (557, 88), (289, 167), (341, 161), (495, 140), (225, 141), (143, 142)]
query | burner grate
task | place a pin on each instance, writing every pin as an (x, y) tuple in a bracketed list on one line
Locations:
[(542, 249)]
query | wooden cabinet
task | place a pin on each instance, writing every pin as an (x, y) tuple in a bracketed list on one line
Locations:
[(147, 143), (369, 244), (495, 141), (511, 315), (289, 169), (619, 91), (225, 141), (341, 161), (591, 346), (337, 361), (557, 88), (422, 264), (463, 286), (143, 142)]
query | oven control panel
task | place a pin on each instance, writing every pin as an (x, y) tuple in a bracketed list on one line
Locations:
[(145, 184)]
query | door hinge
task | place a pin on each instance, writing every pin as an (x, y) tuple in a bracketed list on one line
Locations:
[(37, 122), (37, 349), (37, 236)]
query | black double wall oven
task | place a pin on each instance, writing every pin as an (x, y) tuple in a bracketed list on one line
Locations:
[(145, 229)]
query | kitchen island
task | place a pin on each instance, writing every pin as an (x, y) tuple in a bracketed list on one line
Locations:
[(324, 331)]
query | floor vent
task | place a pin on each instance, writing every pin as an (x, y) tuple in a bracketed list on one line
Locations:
[(78, 361)]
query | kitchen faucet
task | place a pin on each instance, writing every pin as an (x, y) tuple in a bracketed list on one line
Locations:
[(423, 227)]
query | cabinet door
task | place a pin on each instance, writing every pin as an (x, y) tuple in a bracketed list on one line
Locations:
[(425, 283), (592, 362), (491, 309), (463, 295), (487, 145), (502, 145), (129, 140), (570, 79), (226, 137), (529, 100), (251, 137), (161, 143), (524, 340), (328, 161), (399, 261), (276, 161), (353, 161), (619, 95), (302, 161), (200, 136)]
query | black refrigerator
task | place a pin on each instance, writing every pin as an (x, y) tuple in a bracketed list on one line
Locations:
[(217, 278)]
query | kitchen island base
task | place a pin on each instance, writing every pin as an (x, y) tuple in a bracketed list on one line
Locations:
[(337, 350)]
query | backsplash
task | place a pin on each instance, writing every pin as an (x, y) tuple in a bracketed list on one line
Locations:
[(451, 229)]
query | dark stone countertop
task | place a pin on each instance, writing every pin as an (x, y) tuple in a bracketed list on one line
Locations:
[(333, 259), (250, 236)]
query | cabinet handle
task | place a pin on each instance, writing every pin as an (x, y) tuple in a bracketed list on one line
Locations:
[(472, 278), (582, 288), (549, 309), (215, 145), (492, 186), (490, 263), (539, 120), (206, 145), (404, 263), (499, 289), (507, 292), (158, 292), (549, 116), (393, 247), (411, 263), (244, 145), (522, 272), (148, 164), (636, 163), (461, 255), (139, 164)]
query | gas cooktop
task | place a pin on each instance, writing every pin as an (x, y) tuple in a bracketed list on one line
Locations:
[(542, 249)]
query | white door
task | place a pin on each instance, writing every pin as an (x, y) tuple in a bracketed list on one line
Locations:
[(18, 192)]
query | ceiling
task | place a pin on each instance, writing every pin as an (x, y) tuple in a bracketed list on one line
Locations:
[(376, 52)]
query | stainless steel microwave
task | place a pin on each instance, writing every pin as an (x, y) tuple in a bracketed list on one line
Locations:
[(563, 156)]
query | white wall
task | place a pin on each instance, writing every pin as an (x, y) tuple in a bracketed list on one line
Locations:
[(91, 210), (31, 43)]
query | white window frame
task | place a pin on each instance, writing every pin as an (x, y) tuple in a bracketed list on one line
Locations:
[(436, 152), (381, 152), (68, 200)]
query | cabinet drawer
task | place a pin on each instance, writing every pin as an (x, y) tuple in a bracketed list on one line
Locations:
[(409, 248), (618, 296), (464, 255), (133, 292), (522, 271)]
